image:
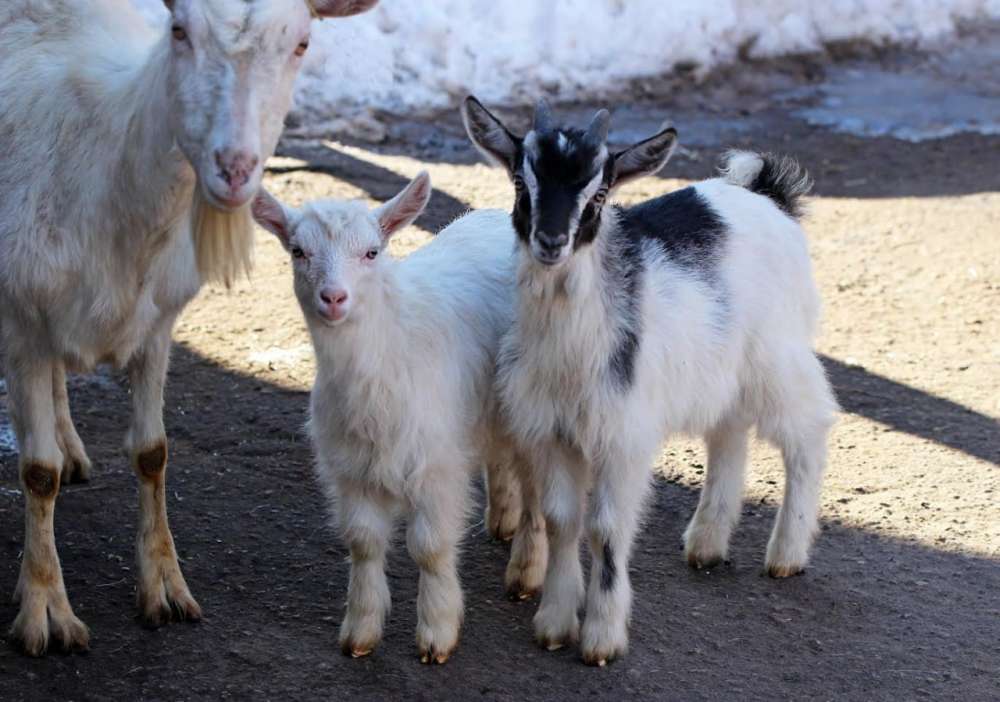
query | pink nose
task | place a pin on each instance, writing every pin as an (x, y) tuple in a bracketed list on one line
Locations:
[(235, 167), (334, 300)]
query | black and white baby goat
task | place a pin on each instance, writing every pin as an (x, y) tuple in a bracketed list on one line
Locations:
[(693, 312)]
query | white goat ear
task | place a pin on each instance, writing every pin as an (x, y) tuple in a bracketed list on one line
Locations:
[(490, 136), (645, 158), (340, 8), (271, 215), (403, 209)]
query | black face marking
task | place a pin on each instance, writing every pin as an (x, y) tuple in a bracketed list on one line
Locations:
[(563, 162), (609, 571), (682, 224)]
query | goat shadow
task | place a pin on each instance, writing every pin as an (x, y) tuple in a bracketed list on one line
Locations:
[(873, 617)]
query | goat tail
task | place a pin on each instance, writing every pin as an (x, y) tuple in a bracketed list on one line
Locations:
[(779, 178)]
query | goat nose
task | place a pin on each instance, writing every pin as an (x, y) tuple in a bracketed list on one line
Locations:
[(333, 297), (235, 167), (552, 242)]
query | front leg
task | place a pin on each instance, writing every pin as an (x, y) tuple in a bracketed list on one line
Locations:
[(616, 505), (364, 518), (436, 525), (162, 592), (45, 612), (563, 489)]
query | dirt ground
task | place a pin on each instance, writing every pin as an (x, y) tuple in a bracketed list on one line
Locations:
[(902, 600)]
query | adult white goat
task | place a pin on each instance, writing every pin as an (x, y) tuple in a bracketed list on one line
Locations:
[(693, 312), (129, 156), (402, 409)]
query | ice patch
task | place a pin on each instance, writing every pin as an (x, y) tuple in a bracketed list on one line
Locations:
[(8, 442), (874, 103)]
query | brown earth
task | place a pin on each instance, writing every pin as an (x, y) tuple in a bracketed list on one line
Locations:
[(902, 600)]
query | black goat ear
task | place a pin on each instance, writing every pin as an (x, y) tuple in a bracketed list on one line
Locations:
[(645, 158), (497, 143)]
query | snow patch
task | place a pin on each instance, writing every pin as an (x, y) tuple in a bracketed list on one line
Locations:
[(422, 55)]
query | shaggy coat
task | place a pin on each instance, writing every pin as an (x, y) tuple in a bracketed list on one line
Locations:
[(129, 156), (402, 407), (690, 313)]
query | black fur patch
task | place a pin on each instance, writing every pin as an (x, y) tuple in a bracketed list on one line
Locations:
[(609, 571), (623, 270), (689, 233), (681, 223)]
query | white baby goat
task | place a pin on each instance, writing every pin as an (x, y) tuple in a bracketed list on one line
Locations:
[(402, 408), (693, 312), (128, 157)]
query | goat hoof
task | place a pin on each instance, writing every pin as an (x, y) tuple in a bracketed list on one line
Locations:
[(704, 562), (33, 630), (784, 571), (517, 593), (434, 657), (600, 658), (76, 471), (551, 644), (357, 650), (164, 607), (502, 522)]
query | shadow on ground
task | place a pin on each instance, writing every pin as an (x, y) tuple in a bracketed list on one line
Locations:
[(872, 618)]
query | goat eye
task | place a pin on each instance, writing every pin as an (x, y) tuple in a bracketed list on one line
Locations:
[(298, 252), (599, 197), (518, 183), (179, 33), (301, 48), (370, 254)]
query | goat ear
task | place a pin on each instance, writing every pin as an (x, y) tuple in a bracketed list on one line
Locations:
[(271, 215), (340, 8), (490, 136), (403, 209), (645, 158)]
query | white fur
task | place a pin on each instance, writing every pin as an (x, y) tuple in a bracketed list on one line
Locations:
[(702, 368), (110, 185), (401, 409)]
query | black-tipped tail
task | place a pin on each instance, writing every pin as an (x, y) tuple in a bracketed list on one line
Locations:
[(779, 178)]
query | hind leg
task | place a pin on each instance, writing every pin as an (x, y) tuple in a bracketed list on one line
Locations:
[(806, 406), (76, 465), (706, 541), (529, 552), (503, 499)]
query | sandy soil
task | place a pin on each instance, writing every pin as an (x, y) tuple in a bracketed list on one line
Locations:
[(903, 597)]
